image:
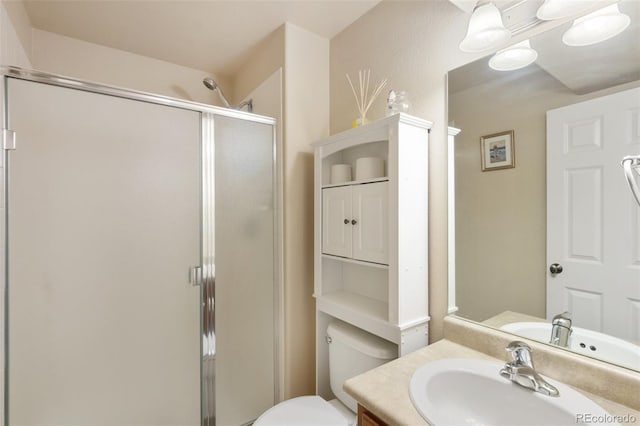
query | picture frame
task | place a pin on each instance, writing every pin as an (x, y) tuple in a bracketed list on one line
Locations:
[(498, 151)]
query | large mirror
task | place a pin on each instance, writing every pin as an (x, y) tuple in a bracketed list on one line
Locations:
[(545, 226)]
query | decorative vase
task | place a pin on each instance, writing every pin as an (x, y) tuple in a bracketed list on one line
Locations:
[(361, 121), (397, 101)]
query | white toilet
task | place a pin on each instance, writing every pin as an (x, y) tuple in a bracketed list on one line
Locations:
[(352, 351)]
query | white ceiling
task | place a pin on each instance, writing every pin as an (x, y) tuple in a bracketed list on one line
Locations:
[(210, 35)]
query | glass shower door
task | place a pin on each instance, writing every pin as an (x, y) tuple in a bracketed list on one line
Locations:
[(246, 300), (103, 226)]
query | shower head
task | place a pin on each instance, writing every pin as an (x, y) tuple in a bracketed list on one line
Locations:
[(212, 85)]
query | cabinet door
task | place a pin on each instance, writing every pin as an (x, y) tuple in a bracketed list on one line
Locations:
[(370, 231), (367, 418), (336, 210)]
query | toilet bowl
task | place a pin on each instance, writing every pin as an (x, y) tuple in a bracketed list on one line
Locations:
[(307, 411), (352, 351)]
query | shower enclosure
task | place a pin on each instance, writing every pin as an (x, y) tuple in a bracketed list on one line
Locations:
[(141, 257)]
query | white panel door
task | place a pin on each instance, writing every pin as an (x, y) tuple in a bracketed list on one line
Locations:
[(104, 223), (371, 226), (593, 230), (336, 221)]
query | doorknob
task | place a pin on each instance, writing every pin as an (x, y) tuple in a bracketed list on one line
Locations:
[(555, 268)]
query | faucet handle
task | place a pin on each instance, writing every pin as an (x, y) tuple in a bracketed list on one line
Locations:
[(563, 319), (520, 353)]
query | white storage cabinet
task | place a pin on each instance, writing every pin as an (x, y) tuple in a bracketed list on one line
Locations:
[(371, 237), (355, 222)]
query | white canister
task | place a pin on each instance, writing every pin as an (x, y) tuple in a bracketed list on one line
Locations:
[(340, 173), (369, 168)]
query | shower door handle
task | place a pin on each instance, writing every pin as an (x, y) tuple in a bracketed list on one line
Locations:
[(195, 276)]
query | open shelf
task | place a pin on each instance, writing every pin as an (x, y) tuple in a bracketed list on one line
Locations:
[(356, 182), (364, 312), (356, 304), (355, 261)]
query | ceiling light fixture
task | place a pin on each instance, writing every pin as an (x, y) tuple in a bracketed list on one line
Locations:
[(558, 9), (514, 57), (597, 26), (485, 30)]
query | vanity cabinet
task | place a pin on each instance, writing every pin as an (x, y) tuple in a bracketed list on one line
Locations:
[(355, 223), (367, 418), (371, 237)]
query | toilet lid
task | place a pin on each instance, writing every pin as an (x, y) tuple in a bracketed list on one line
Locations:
[(302, 411)]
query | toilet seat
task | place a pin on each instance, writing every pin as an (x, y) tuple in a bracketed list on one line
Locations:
[(302, 411)]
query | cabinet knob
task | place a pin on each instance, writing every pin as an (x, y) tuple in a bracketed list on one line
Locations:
[(353, 222), (346, 221)]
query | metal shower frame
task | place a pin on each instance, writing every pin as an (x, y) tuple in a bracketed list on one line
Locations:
[(208, 113)]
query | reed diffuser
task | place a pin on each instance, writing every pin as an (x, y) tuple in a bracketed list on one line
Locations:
[(365, 95)]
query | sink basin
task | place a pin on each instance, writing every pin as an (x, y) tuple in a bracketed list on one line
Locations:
[(472, 392), (585, 342)]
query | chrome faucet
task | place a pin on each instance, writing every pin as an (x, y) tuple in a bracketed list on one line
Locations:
[(561, 329), (520, 370)]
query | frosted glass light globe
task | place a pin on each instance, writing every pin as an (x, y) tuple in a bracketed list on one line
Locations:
[(485, 30), (596, 27), (514, 57)]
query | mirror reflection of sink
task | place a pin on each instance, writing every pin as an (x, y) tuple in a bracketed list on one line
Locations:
[(471, 391), (583, 341)]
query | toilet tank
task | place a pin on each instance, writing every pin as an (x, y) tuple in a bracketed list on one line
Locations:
[(353, 351)]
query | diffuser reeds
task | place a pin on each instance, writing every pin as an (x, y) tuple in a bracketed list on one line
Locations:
[(364, 96)]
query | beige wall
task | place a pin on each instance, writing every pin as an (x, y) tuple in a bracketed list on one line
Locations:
[(413, 44), (88, 61), (268, 57), (500, 215), (306, 112), (15, 35)]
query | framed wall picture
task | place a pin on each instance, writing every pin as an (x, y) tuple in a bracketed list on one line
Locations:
[(498, 151)]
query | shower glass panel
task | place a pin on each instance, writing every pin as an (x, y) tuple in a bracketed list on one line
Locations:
[(245, 253), (103, 225)]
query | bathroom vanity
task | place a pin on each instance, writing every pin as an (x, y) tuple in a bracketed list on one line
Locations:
[(383, 393), (371, 235)]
